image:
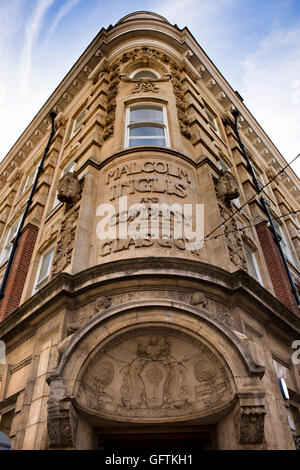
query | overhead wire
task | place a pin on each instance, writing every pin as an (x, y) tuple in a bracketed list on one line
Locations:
[(241, 229), (250, 199)]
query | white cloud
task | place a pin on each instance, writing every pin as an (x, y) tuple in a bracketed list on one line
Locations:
[(271, 89), (31, 33), (62, 12)]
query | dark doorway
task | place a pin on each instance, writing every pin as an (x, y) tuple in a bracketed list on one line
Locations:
[(181, 442)]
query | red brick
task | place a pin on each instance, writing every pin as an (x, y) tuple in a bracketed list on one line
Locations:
[(275, 265), (18, 272)]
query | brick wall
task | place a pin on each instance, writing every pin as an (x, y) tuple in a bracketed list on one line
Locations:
[(18, 272), (278, 274)]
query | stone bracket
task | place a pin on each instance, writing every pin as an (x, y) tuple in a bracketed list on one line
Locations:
[(62, 417), (250, 418)]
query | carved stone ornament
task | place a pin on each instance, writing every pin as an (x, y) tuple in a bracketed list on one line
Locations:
[(102, 303), (68, 188), (145, 85), (232, 235), (66, 236), (147, 374), (197, 298), (62, 418), (249, 423), (227, 186)]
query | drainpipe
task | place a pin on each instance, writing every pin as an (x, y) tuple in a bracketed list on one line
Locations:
[(266, 209), (18, 234)]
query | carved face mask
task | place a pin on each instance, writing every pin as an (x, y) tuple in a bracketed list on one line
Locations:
[(68, 188)]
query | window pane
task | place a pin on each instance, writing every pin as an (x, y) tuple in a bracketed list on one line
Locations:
[(251, 265), (147, 141), (153, 113), (45, 266), (144, 74), (146, 131)]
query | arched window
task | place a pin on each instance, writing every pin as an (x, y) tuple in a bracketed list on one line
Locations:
[(146, 124), (144, 73)]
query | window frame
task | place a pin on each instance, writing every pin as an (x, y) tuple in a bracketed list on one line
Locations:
[(39, 283), (284, 244), (212, 121), (258, 278), (9, 240), (76, 125), (163, 125), (33, 172), (141, 70)]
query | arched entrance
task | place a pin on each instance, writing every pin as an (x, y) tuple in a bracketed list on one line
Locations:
[(139, 378)]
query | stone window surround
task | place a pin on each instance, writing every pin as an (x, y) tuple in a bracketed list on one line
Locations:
[(148, 102)]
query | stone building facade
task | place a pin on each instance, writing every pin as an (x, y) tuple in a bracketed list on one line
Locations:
[(110, 342)]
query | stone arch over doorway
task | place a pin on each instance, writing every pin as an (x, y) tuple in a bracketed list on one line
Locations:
[(142, 364)]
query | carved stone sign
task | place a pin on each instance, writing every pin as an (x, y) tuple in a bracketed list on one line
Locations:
[(149, 182), (154, 374)]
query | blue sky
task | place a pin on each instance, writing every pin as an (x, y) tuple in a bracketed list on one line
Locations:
[(254, 43)]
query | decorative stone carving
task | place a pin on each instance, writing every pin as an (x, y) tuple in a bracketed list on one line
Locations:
[(249, 424), (102, 303), (145, 85), (232, 235), (145, 54), (114, 79), (154, 373), (68, 188), (62, 418), (227, 186), (65, 239), (198, 298)]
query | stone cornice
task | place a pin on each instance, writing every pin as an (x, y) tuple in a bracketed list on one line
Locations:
[(238, 284)]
